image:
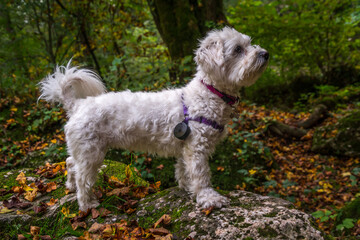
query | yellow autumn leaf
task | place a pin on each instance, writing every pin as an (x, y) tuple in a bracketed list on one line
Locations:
[(53, 141), (128, 172), (52, 202), (21, 178), (30, 196), (5, 210), (66, 212), (27, 188), (13, 109), (252, 171), (11, 120)]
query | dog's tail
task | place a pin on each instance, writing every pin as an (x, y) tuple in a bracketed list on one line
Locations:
[(67, 84)]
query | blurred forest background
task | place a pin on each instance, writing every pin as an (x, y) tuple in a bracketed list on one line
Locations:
[(297, 133)]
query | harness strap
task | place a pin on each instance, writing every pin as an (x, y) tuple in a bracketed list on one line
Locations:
[(203, 120)]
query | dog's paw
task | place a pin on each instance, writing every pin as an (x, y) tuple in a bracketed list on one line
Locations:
[(70, 186), (208, 197), (86, 206)]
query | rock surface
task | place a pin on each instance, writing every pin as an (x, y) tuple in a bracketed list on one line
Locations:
[(249, 216)]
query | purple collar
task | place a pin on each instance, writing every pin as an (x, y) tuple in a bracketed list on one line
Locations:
[(203, 120), (231, 100)]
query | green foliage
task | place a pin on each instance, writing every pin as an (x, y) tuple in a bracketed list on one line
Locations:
[(304, 38), (304, 35), (324, 215)]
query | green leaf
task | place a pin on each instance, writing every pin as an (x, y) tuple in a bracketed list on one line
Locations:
[(348, 223), (318, 214), (324, 219)]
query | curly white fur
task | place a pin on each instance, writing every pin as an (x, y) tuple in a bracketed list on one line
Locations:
[(145, 120)]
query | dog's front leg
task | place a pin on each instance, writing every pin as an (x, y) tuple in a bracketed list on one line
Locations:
[(198, 175)]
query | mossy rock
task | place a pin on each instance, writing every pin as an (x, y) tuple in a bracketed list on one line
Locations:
[(342, 138), (247, 216)]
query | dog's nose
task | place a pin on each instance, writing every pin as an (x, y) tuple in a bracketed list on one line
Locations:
[(264, 54)]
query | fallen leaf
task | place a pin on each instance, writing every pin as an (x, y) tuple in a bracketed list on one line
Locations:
[(52, 202), (104, 212), (14, 202), (85, 236), (95, 213), (66, 213), (45, 237), (130, 210), (39, 209), (220, 168), (21, 237), (96, 227), (75, 225), (159, 231), (34, 230), (207, 211), (165, 219), (21, 178), (5, 210), (160, 167), (51, 186), (17, 189), (30, 196), (108, 231)]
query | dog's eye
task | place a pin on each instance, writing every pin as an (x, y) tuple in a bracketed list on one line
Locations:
[(238, 49)]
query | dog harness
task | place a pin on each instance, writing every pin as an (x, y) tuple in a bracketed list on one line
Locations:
[(182, 130)]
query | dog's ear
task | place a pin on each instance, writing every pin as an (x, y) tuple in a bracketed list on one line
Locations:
[(210, 54)]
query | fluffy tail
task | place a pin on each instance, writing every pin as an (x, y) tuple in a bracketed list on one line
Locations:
[(67, 84)]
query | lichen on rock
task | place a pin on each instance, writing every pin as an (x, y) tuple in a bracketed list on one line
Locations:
[(248, 216)]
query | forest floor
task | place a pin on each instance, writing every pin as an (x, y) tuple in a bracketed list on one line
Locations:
[(33, 132)]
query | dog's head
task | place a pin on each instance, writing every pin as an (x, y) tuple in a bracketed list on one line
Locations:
[(228, 59)]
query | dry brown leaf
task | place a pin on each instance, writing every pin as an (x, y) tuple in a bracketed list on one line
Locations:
[(21, 237), (130, 210), (75, 225), (96, 227), (51, 186), (167, 237), (45, 237), (165, 219), (115, 191), (104, 212), (108, 231), (95, 213), (52, 202), (17, 189), (30, 196), (85, 236), (207, 211), (34, 230), (159, 231)]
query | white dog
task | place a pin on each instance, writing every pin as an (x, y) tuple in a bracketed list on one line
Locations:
[(185, 123)]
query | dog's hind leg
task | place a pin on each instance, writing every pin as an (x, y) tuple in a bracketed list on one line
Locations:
[(87, 165), (70, 167), (198, 173)]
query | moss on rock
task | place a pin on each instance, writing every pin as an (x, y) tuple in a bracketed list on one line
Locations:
[(248, 216)]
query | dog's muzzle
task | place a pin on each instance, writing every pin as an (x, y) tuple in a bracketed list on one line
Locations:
[(264, 54)]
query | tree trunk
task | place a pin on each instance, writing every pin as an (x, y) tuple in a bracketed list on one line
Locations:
[(182, 22)]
